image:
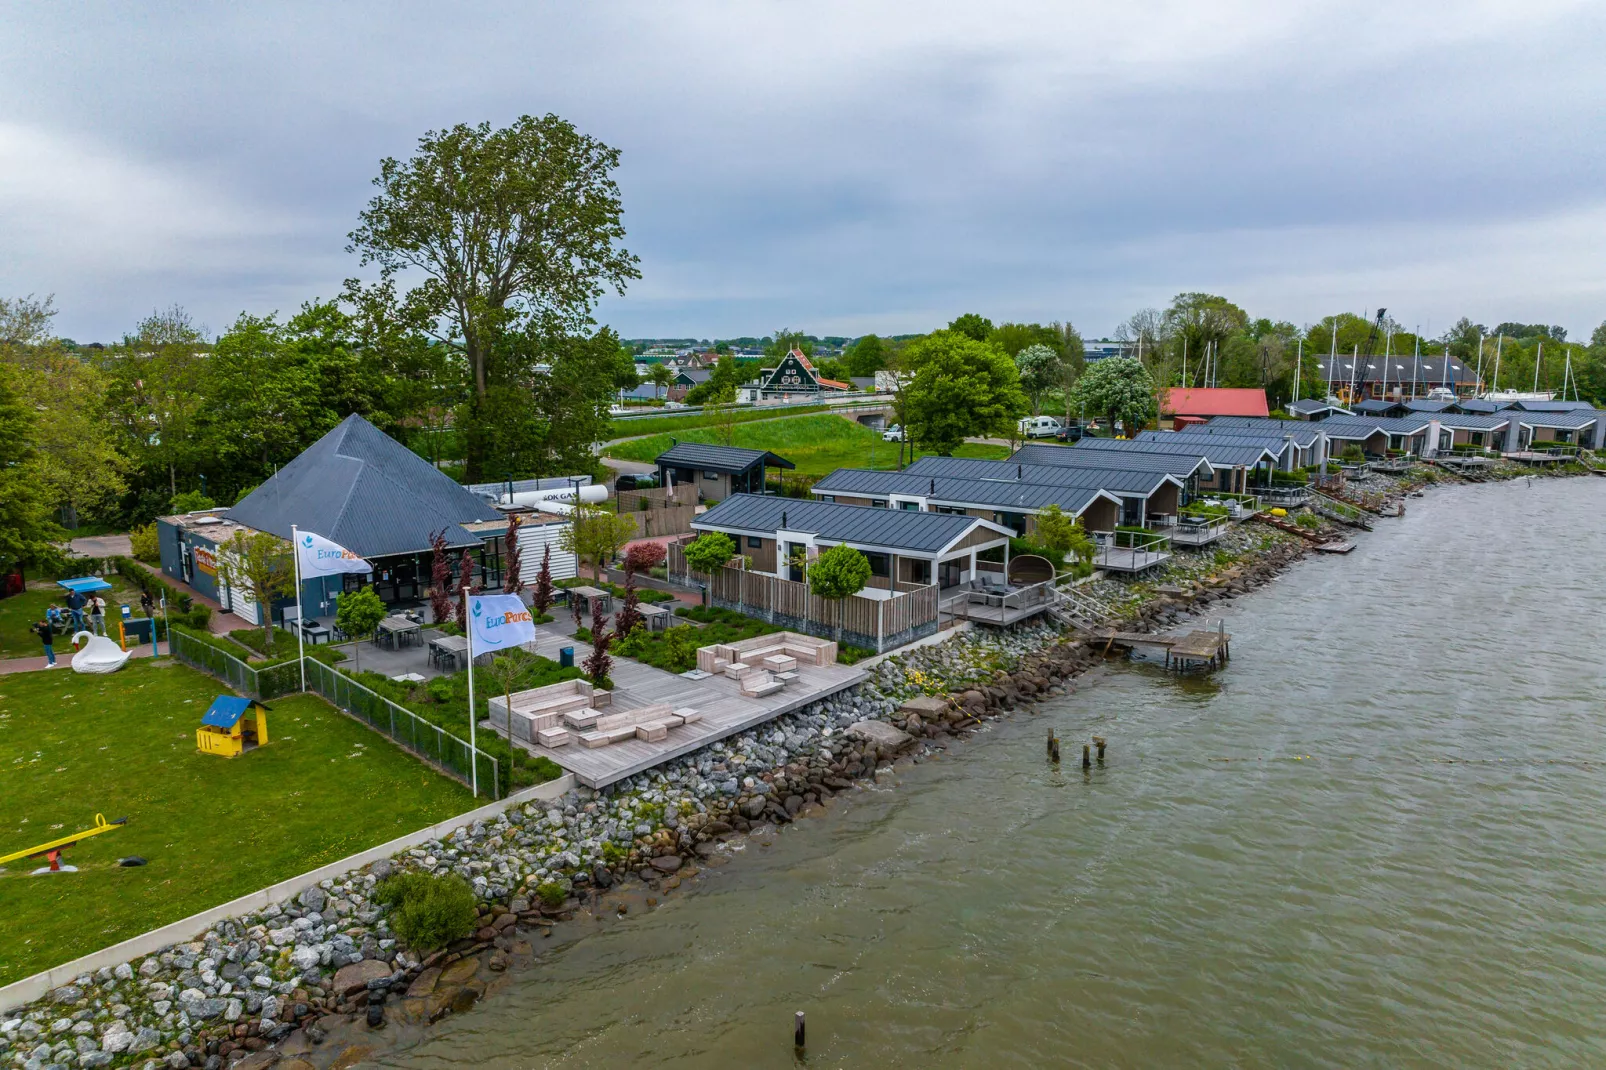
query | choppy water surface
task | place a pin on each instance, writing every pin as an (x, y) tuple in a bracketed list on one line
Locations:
[(1377, 839)]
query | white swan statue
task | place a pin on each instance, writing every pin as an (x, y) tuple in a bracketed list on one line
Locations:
[(100, 654)]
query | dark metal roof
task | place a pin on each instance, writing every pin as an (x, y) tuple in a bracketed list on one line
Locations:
[(1482, 405), (1125, 481), (367, 492), (989, 493), (1353, 427), (719, 458), (1304, 432), (1066, 457), (1575, 418), (898, 530), (1424, 405), (1474, 421), (1553, 406), (1220, 454), (1309, 406)]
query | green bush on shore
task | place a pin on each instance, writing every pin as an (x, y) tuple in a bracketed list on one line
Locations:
[(429, 912)]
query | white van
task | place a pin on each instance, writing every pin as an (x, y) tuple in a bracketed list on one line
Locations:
[(1038, 427)]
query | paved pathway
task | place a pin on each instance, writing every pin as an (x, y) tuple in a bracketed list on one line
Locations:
[(64, 654), (102, 546)]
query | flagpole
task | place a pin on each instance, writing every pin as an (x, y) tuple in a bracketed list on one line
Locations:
[(301, 652), (473, 749)]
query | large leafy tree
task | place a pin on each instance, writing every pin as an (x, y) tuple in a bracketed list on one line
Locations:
[(26, 530), (972, 325), (866, 356), (514, 231), (157, 393), (80, 469), (1039, 367), (957, 387), (1119, 389), (784, 341), (1198, 324)]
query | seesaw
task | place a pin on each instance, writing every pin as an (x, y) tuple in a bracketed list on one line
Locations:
[(53, 849)]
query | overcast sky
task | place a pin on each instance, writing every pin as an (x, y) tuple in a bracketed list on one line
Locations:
[(838, 167)]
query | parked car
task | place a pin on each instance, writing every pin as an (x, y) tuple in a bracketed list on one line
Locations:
[(1038, 427), (895, 433), (1069, 433)]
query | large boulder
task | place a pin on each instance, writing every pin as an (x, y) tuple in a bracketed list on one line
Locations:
[(355, 977), (883, 735)]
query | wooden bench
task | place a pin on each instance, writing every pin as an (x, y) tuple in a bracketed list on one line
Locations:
[(544, 708), (804, 649), (649, 723), (761, 683)]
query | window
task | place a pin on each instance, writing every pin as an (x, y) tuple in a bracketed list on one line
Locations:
[(910, 507), (828, 497), (710, 475), (754, 542), (878, 503), (879, 564), (919, 571)]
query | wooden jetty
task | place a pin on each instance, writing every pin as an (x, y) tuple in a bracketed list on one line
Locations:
[(1334, 547), (1189, 651)]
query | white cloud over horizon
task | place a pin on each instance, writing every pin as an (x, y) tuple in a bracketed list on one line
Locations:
[(838, 167)]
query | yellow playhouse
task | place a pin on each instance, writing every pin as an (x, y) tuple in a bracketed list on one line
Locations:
[(232, 726)]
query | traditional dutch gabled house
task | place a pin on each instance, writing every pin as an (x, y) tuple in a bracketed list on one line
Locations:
[(793, 377)]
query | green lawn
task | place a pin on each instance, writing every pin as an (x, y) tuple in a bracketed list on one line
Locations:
[(211, 828), (19, 612), (817, 444)]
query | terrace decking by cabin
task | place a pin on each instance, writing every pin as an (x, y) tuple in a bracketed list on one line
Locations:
[(1001, 608), (724, 710)]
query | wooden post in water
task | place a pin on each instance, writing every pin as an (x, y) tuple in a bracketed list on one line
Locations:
[(1087, 761), (797, 1032), (1051, 742), (1098, 741), (1054, 751)]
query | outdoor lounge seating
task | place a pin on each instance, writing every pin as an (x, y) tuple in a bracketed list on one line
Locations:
[(761, 683), (805, 650), (648, 723), (544, 715)]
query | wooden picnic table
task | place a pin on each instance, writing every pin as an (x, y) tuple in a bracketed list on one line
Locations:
[(656, 618)]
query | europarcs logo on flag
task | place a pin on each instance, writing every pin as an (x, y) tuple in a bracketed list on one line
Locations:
[(500, 620)]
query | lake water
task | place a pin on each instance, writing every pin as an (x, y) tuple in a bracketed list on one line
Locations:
[(1377, 839)]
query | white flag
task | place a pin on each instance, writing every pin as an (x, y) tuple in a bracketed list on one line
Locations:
[(500, 622), (320, 557)]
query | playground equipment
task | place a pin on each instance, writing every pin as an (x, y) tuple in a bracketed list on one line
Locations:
[(99, 655), (232, 726), (53, 849)]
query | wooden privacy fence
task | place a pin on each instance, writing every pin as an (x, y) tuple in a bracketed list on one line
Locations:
[(660, 510), (877, 624), (658, 498)]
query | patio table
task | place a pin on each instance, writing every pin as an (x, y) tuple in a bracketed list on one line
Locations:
[(446, 648)]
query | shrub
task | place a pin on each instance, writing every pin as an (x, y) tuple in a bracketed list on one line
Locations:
[(145, 544), (198, 617), (551, 893), (1308, 520), (429, 912)]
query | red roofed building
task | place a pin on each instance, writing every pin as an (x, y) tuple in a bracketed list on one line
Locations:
[(794, 376), (1185, 405)]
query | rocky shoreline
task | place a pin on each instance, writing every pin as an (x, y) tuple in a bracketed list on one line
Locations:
[(321, 981)]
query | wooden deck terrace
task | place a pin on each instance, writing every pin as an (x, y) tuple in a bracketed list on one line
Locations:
[(725, 712), (1009, 610), (1121, 559), (1198, 649)]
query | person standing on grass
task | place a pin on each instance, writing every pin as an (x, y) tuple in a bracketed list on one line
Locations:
[(97, 614), (47, 635), (75, 606), (146, 606)]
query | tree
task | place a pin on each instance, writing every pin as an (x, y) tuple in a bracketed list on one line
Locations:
[(599, 664), (972, 326), (958, 387), (440, 579), (80, 467), (512, 581), (258, 564), (191, 501), (641, 557), (1119, 389), (1199, 323), (787, 340), (542, 597), (1073, 362), (720, 385), (1014, 337), (708, 552), (865, 357), (27, 533), (465, 584), (662, 378), (837, 574), (158, 390), (516, 232), (722, 419), (1039, 368), (594, 535), (1062, 533), (358, 613)]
